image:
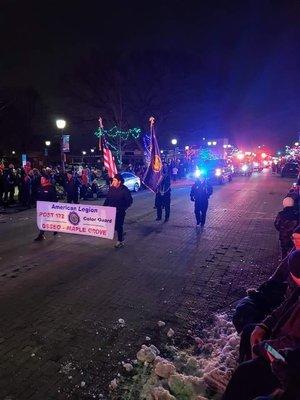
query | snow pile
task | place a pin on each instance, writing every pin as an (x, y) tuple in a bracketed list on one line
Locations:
[(147, 354), (200, 373)]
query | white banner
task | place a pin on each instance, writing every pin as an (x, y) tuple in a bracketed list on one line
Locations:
[(81, 219)]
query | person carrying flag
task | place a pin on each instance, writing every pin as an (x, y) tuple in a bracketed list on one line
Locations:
[(163, 194), (120, 197)]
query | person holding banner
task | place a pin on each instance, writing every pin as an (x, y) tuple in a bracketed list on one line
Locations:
[(46, 192), (120, 197)]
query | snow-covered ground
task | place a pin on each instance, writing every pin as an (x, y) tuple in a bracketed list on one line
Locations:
[(198, 373)]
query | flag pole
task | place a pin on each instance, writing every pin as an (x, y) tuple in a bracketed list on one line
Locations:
[(100, 136)]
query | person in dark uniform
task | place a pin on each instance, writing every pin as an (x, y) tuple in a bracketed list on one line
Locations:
[(200, 193), (71, 186), (163, 195), (46, 192), (120, 197)]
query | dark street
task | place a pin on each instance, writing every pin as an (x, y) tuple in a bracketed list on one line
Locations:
[(61, 299)]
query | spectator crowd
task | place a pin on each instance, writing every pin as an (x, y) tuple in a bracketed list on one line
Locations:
[(268, 321)]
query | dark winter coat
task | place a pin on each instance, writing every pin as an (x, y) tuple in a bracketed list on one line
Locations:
[(201, 191), (47, 193), (164, 187), (71, 185), (258, 304), (283, 324), (285, 222), (118, 197), (9, 178)]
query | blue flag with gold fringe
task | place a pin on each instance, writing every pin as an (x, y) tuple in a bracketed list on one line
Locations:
[(153, 175)]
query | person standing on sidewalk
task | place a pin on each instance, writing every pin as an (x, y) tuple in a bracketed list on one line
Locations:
[(71, 186), (200, 193), (120, 197), (163, 194), (285, 223)]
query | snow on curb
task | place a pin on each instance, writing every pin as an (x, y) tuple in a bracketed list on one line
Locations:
[(186, 375)]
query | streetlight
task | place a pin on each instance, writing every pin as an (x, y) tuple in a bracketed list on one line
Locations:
[(61, 124), (297, 144), (13, 152), (187, 148), (174, 142), (47, 144), (92, 150)]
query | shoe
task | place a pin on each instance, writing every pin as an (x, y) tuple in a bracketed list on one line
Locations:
[(55, 233), (40, 238), (166, 219), (158, 219), (118, 245)]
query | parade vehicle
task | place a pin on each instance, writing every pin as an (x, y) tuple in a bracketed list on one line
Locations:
[(244, 169), (257, 166), (216, 171), (99, 187), (290, 170), (132, 181)]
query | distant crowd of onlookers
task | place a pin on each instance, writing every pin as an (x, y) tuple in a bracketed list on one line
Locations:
[(268, 321), (21, 185)]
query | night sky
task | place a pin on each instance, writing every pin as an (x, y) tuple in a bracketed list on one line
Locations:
[(232, 66)]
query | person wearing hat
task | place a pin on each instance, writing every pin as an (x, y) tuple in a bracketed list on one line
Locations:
[(285, 223), (281, 331), (200, 193), (120, 197)]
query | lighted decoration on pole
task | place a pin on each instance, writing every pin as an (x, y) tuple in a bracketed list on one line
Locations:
[(116, 137), (61, 124)]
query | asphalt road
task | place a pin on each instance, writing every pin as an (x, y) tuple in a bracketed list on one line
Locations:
[(60, 300)]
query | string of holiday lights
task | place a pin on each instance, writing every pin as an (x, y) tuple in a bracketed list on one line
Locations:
[(133, 133), (115, 134)]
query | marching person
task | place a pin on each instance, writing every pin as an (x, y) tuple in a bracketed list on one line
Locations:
[(120, 197), (200, 193), (46, 192), (163, 194)]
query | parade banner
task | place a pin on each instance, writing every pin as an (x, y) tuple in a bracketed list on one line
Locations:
[(81, 219)]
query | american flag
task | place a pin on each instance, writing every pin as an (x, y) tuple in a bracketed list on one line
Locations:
[(109, 160)]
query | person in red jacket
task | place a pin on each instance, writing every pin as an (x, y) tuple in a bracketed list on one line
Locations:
[(281, 330)]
